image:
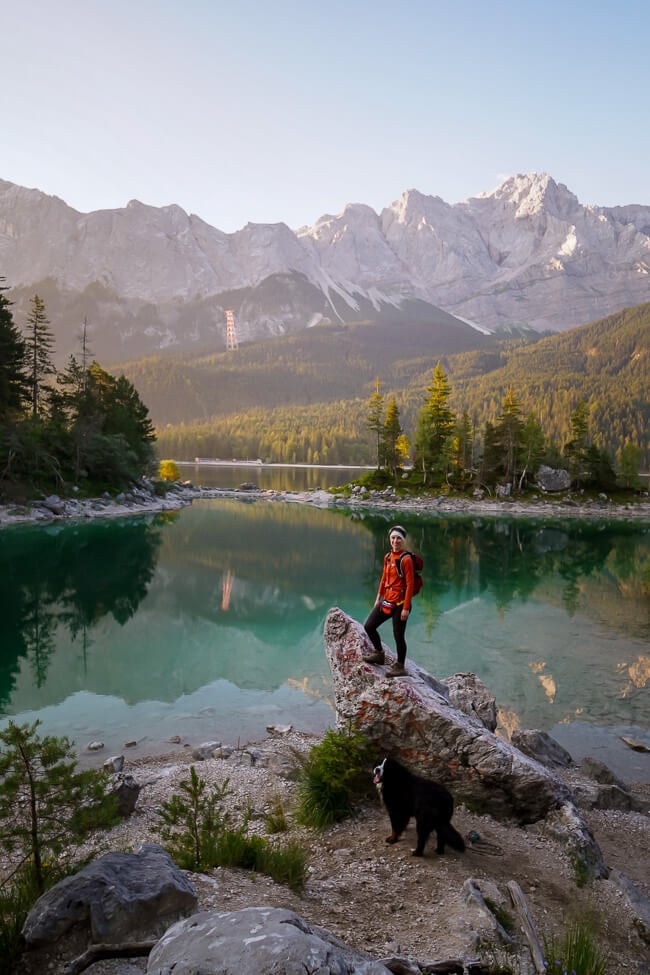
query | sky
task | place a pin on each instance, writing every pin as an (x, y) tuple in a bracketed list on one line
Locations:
[(285, 110)]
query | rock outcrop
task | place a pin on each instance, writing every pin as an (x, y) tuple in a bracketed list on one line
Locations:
[(264, 940), (119, 896), (413, 719)]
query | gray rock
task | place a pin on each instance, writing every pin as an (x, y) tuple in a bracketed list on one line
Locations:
[(540, 746), (592, 795), (126, 789), (118, 897), (594, 769), (469, 694), (638, 903), (551, 480), (54, 504), (263, 940), (206, 750), (115, 763), (566, 824), (485, 927)]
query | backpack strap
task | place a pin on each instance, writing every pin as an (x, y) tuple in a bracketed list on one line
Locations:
[(399, 564)]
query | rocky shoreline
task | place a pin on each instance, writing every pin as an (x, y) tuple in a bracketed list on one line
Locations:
[(143, 500)]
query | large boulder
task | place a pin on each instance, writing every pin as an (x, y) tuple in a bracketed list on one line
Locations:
[(552, 480), (263, 940), (412, 719), (118, 897)]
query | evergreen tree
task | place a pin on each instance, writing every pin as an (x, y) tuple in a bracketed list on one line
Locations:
[(434, 428), (508, 431), (13, 378), (600, 473), (39, 343), (375, 419), (577, 447), (628, 458), (533, 447), (391, 439), (491, 458), (462, 450), (45, 803)]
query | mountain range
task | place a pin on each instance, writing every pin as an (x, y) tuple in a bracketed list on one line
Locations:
[(147, 279)]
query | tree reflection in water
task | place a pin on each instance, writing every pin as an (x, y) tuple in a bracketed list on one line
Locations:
[(220, 608)]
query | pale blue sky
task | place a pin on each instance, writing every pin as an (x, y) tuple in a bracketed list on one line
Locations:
[(289, 109)]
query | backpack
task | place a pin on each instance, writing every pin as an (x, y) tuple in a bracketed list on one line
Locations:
[(418, 565)]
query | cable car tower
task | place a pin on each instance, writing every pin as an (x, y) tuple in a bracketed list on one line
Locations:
[(231, 332)]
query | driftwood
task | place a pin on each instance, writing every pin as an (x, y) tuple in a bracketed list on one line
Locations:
[(520, 905), (132, 949)]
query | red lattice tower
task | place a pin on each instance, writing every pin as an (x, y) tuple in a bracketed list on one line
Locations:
[(231, 333)]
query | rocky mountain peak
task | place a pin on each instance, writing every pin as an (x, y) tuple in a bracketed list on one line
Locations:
[(526, 252), (533, 194)]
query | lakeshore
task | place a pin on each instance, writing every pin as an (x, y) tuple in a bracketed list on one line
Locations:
[(134, 503)]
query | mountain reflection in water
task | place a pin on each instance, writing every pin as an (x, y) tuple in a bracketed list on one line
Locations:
[(207, 623)]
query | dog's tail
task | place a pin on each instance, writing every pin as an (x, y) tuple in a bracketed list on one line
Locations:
[(454, 839)]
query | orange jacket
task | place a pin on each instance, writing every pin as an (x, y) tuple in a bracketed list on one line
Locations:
[(392, 587)]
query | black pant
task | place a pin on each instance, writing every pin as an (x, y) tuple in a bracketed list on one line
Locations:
[(376, 618)]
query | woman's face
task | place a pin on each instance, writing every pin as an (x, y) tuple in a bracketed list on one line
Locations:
[(396, 542)]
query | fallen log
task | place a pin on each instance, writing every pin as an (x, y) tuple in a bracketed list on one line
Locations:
[(133, 949)]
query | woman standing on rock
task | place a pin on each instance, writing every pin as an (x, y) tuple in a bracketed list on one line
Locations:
[(393, 601)]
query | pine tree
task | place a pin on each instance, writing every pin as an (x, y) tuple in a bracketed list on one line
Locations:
[(375, 419), (462, 446), (45, 803), (39, 342), (533, 447), (13, 377), (577, 448), (508, 430), (435, 427), (391, 437), (628, 458)]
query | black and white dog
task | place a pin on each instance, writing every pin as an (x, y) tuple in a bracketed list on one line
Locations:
[(405, 795)]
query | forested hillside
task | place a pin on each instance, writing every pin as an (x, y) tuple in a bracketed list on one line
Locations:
[(305, 398), (320, 365), (606, 364)]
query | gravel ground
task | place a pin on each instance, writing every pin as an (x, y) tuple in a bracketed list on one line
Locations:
[(379, 898)]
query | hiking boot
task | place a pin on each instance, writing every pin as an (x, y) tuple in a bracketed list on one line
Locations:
[(374, 658), (397, 670)]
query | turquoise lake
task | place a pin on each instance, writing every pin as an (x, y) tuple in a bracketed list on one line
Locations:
[(207, 623)]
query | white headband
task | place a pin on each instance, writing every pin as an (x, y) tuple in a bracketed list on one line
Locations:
[(398, 530)]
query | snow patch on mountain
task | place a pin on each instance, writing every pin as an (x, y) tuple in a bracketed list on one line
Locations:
[(525, 252)]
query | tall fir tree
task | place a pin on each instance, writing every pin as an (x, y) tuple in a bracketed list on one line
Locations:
[(375, 419), (39, 341), (435, 429), (508, 428), (391, 439), (13, 376), (576, 450)]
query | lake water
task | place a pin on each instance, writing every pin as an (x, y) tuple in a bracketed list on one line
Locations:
[(207, 623), (268, 477)]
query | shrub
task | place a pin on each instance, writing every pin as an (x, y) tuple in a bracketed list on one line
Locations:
[(333, 778), (576, 953), (199, 835), (168, 471), (276, 820)]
